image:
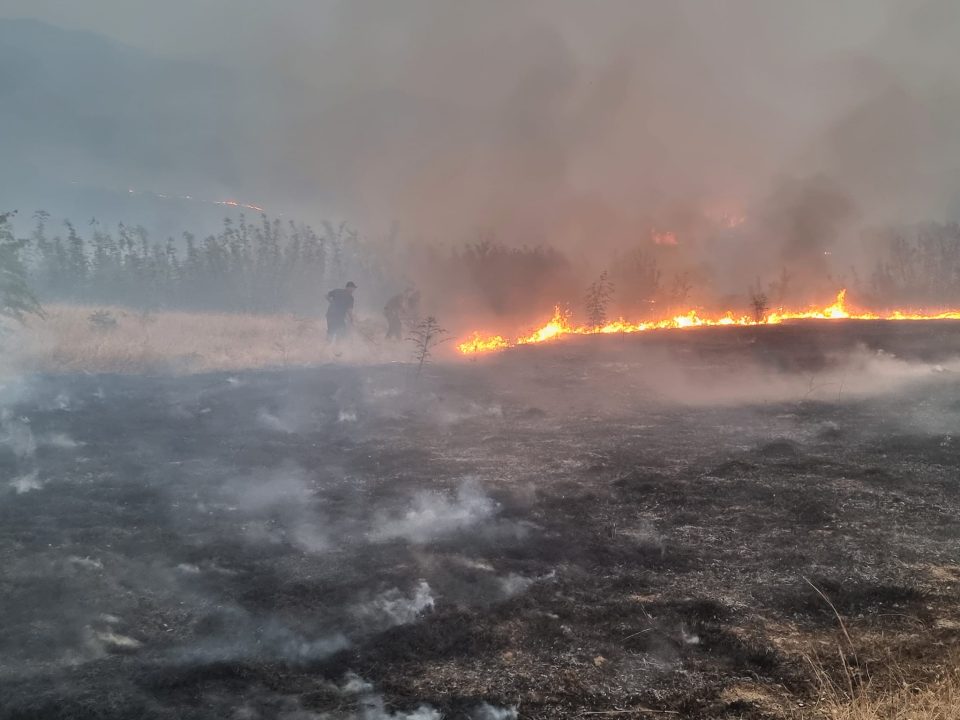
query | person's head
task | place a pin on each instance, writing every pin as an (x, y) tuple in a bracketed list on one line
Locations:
[(351, 286)]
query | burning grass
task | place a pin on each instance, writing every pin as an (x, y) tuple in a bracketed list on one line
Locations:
[(559, 325)]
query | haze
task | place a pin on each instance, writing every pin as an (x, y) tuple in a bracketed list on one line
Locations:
[(566, 123)]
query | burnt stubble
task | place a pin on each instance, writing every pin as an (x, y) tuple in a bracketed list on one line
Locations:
[(601, 523)]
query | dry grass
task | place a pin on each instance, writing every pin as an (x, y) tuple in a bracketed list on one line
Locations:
[(885, 689), (181, 342), (935, 698)]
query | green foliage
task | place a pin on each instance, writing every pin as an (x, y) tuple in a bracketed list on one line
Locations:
[(16, 299)]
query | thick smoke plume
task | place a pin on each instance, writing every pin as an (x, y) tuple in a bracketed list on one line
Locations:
[(573, 123), (592, 128)]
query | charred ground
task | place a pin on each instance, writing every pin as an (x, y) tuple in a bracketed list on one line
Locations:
[(604, 524)]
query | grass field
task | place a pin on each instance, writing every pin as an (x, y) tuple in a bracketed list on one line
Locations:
[(183, 342)]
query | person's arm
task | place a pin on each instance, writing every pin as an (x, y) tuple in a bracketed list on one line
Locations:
[(350, 311)]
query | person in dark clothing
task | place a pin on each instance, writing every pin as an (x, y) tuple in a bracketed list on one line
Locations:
[(393, 312), (339, 310)]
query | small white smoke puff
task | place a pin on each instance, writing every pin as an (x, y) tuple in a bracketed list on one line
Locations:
[(61, 441), (282, 488), (392, 608), (514, 584), (372, 709), (433, 515), (489, 712), (26, 483), (275, 641), (371, 706), (85, 562), (114, 641), (274, 423), (297, 649), (307, 537), (17, 435), (353, 684)]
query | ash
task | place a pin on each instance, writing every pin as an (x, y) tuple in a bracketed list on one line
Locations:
[(606, 523)]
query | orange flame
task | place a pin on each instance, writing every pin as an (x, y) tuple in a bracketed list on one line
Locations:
[(559, 325)]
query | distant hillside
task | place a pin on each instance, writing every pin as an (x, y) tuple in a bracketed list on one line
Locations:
[(80, 113)]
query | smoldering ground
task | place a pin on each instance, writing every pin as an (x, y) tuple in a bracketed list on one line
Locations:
[(604, 522)]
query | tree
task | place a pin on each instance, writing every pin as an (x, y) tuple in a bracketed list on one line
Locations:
[(16, 299), (425, 336), (598, 297), (760, 304)]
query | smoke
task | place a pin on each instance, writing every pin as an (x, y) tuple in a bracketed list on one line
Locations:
[(433, 515), (61, 441), (514, 584), (353, 684), (855, 373), (18, 443), (271, 422), (16, 434), (26, 483), (372, 708), (392, 608), (583, 127), (279, 506), (489, 712), (240, 634), (85, 563)]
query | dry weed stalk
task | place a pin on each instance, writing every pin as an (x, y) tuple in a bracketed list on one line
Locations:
[(859, 697)]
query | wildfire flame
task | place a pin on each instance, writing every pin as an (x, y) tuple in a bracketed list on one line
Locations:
[(559, 324)]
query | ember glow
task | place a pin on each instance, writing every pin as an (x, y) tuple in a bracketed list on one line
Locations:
[(559, 325)]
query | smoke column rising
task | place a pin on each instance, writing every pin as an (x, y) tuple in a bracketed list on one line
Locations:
[(561, 120)]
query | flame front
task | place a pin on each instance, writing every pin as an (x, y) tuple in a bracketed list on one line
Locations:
[(559, 324)]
